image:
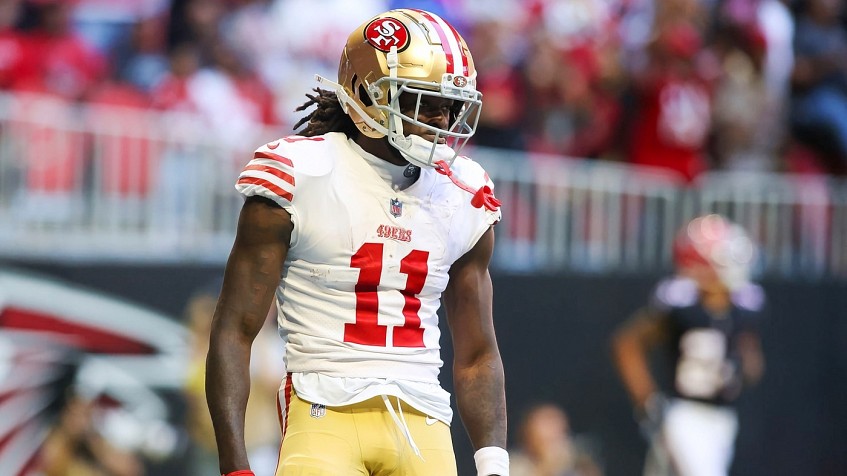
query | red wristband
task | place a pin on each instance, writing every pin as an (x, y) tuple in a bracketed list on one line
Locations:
[(240, 472)]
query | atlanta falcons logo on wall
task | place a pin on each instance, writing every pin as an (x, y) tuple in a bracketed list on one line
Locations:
[(57, 353)]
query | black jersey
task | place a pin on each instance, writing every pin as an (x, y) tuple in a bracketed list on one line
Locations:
[(703, 345)]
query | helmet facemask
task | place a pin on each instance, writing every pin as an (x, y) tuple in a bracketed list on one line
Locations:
[(445, 144)]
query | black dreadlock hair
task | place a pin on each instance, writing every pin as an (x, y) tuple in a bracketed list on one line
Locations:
[(327, 116)]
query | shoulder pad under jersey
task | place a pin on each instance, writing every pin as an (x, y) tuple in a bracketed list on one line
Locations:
[(675, 292), (471, 172), (750, 297), (274, 170), (470, 176)]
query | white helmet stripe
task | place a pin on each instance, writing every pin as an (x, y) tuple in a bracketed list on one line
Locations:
[(457, 62), (464, 55)]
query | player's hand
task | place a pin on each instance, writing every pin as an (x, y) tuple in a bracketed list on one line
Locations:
[(651, 414)]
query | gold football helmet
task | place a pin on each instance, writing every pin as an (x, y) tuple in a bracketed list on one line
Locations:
[(408, 51)]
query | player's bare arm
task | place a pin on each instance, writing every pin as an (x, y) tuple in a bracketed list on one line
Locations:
[(252, 274), (752, 357), (631, 345), (477, 367)]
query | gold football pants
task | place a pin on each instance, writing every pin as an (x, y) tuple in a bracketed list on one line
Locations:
[(362, 439)]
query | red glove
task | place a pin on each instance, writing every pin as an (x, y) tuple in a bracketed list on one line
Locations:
[(240, 472)]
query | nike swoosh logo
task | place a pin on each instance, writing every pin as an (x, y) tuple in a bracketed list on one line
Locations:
[(431, 421)]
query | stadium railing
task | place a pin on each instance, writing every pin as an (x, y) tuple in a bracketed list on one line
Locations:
[(101, 183)]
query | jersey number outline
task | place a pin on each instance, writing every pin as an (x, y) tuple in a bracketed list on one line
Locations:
[(366, 330)]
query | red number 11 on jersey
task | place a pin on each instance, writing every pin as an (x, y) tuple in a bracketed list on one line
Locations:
[(367, 330)]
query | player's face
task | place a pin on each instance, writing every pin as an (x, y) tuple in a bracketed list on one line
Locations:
[(433, 111), (706, 277)]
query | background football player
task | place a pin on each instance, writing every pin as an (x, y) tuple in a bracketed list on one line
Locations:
[(706, 317)]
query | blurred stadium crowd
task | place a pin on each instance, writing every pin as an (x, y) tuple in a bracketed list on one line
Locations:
[(688, 85)]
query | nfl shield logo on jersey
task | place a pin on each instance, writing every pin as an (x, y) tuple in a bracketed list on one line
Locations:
[(396, 207), (318, 410)]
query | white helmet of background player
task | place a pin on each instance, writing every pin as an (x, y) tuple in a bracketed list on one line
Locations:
[(413, 52), (715, 246)]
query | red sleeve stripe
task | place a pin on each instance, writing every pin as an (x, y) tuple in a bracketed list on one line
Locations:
[(273, 188), (275, 157), (449, 42), (273, 171)]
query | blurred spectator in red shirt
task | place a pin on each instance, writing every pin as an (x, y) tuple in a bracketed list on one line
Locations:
[(11, 48), (590, 96), (252, 94), (172, 91), (571, 72), (56, 60), (501, 84), (230, 98), (545, 124), (673, 94), (60, 66)]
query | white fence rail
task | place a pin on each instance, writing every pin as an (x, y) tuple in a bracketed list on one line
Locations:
[(96, 183), (602, 217)]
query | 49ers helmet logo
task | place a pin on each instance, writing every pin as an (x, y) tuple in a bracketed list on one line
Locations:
[(383, 33)]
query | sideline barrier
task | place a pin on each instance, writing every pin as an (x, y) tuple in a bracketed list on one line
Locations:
[(97, 183)]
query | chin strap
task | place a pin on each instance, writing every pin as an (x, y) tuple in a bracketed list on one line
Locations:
[(484, 196)]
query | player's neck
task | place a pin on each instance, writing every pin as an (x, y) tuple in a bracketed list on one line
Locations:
[(380, 148), (716, 300), (398, 177)]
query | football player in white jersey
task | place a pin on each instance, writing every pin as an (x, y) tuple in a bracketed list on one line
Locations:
[(358, 226), (707, 318)]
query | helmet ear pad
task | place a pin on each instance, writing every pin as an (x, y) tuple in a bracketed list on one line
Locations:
[(354, 98), (363, 126)]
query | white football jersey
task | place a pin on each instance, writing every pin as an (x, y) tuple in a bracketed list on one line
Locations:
[(367, 264)]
